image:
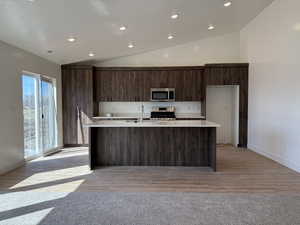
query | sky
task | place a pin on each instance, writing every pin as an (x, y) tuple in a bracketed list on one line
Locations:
[(29, 86)]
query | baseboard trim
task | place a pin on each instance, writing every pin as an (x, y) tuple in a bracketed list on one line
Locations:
[(276, 158), (11, 168), (242, 146), (75, 145), (52, 151)]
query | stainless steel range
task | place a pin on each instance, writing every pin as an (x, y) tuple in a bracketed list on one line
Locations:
[(163, 113)]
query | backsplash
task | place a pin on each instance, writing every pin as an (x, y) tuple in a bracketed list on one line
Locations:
[(135, 107)]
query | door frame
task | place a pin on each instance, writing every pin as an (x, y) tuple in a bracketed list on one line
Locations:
[(39, 77), (53, 82), (236, 108)]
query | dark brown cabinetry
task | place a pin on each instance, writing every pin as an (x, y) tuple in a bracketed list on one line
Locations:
[(134, 84), (117, 86), (159, 146), (189, 85), (77, 97), (232, 74), (85, 86)]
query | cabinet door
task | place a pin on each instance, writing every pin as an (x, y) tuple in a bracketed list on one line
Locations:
[(147, 85), (198, 93), (97, 86), (103, 86), (117, 91), (124, 86), (179, 85), (189, 85), (116, 85), (214, 76), (77, 88), (135, 86), (84, 103), (106, 86), (69, 111), (142, 93)]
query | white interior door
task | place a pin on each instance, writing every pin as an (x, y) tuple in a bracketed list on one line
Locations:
[(221, 108)]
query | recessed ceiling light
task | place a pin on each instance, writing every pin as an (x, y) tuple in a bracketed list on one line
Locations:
[(174, 16), (211, 27), (227, 3), (71, 39), (170, 37), (30, 0), (91, 54), (122, 28), (130, 45)]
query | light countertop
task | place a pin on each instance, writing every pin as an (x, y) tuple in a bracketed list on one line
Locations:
[(151, 123), (147, 116)]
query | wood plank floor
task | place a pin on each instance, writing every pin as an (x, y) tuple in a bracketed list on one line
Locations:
[(239, 171)]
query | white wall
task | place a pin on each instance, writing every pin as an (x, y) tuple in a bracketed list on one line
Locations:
[(271, 43), (221, 49), (12, 62)]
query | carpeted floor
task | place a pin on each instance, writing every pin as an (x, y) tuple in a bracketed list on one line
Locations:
[(120, 208)]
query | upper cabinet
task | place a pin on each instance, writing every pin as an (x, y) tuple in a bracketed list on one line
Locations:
[(117, 86), (226, 74), (189, 85), (134, 84)]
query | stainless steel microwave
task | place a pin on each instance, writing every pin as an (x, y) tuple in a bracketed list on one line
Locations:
[(163, 94)]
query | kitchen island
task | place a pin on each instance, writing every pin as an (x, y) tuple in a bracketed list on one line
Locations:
[(190, 143)]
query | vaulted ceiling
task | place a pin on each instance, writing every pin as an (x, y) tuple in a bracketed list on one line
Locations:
[(42, 25)]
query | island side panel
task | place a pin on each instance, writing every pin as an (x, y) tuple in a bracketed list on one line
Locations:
[(212, 147), (92, 147), (129, 146)]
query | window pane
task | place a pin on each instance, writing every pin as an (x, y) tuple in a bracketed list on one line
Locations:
[(49, 116), (30, 115)]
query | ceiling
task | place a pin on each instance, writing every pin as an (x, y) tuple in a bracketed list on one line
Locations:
[(44, 25)]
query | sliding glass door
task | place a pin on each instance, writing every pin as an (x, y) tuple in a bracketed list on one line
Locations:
[(48, 115), (39, 111), (31, 116)]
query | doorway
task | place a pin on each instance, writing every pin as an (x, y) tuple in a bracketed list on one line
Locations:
[(223, 108), (39, 112)]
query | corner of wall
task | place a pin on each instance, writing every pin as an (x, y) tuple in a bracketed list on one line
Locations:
[(12, 167), (274, 157)]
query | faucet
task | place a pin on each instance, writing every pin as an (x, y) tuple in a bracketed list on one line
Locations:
[(142, 112)]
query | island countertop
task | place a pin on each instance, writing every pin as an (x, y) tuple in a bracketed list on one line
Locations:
[(152, 123)]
